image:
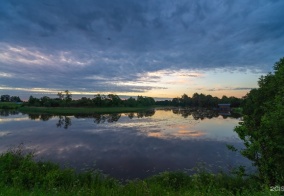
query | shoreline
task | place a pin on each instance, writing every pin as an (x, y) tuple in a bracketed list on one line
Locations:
[(80, 110)]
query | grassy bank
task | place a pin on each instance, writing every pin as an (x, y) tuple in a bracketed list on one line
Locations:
[(20, 175), (79, 110), (9, 105)]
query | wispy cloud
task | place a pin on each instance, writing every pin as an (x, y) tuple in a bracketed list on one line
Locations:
[(230, 89)]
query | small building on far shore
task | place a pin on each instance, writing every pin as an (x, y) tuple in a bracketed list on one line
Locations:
[(224, 107)]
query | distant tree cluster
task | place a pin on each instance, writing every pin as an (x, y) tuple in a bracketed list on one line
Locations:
[(200, 100), (8, 98), (65, 100)]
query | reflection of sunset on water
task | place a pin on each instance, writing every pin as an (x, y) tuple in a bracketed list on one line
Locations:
[(179, 131), (185, 133), (181, 134), (14, 119), (125, 145)]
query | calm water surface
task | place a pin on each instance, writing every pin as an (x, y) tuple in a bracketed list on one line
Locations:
[(127, 146)]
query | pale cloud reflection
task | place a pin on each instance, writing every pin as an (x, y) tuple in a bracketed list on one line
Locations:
[(127, 148), (191, 134), (19, 119), (164, 125), (178, 132), (181, 134), (4, 133)]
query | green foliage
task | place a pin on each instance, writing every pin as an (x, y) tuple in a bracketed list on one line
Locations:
[(111, 100), (5, 98), (262, 128), (20, 175), (130, 102), (145, 101), (46, 112), (8, 98), (9, 105), (200, 100)]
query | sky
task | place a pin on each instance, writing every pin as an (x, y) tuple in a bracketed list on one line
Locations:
[(157, 48)]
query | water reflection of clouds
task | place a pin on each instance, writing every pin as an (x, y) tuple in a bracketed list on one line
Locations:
[(18, 119), (181, 132), (164, 125), (191, 134), (126, 148), (121, 153), (4, 133)]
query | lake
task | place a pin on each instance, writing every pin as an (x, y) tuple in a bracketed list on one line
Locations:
[(128, 145)]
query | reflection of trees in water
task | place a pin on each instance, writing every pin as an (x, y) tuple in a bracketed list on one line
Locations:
[(64, 121), (43, 117), (34, 116), (102, 118), (8, 112), (235, 115), (146, 113), (196, 113), (131, 115)]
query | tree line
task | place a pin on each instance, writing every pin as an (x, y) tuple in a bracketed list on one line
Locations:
[(64, 99), (200, 100), (8, 98)]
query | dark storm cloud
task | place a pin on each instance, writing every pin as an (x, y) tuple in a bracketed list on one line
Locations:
[(64, 44)]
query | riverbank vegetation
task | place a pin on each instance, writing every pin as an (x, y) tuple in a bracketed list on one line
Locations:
[(9, 105), (201, 100), (262, 129), (80, 110), (102, 104), (238, 110), (64, 99), (21, 175), (112, 100)]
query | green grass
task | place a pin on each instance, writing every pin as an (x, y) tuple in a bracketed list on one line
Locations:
[(79, 110), (9, 105), (21, 175)]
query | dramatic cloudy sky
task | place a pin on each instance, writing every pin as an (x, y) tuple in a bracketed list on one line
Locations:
[(159, 48)]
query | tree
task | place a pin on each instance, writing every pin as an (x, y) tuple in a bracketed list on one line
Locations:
[(68, 96), (60, 95), (15, 99), (145, 101), (98, 100), (130, 102), (114, 100), (262, 129), (45, 101), (84, 101), (186, 101), (5, 98), (34, 101), (176, 101)]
